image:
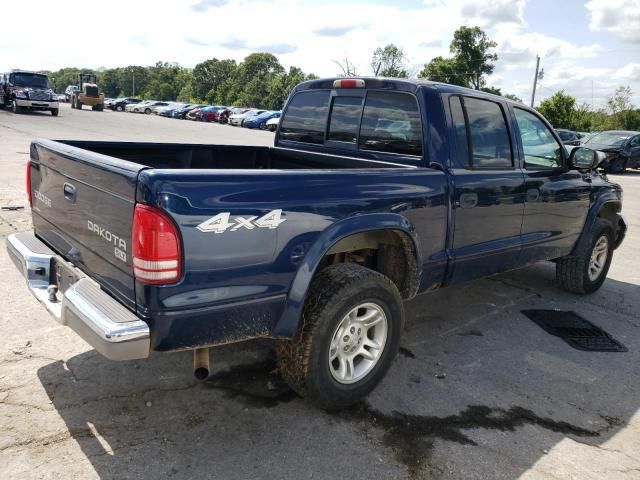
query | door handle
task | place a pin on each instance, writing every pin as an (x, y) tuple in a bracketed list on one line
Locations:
[(468, 200), (69, 192)]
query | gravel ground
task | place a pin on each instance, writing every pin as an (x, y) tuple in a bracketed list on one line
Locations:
[(479, 390)]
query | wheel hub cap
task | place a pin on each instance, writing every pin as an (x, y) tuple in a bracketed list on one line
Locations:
[(598, 258), (357, 343)]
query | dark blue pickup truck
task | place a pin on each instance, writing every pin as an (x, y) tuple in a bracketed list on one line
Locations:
[(376, 190)]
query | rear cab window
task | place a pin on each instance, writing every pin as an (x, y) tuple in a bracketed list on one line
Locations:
[(386, 122)]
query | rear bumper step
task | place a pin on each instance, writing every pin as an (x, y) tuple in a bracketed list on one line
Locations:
[(101, 321)]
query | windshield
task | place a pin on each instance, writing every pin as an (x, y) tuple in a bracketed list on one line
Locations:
[(32, 80), (609, 138)]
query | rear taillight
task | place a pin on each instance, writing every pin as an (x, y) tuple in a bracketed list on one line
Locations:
[(28, 178), (156, 249)]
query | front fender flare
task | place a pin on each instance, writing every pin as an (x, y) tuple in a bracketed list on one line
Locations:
[(287, 326), (608, 199)]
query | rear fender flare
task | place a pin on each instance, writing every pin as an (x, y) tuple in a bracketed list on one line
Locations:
[(287, 326)]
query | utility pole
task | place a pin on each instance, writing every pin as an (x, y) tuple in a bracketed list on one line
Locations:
[(133, 81), (535, 80)]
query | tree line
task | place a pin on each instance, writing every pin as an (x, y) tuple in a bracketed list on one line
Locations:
[(563, 111), (259, 80)]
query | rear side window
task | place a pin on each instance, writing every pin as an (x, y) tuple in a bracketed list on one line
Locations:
[(391, 123), (485, 138), (306, 117)]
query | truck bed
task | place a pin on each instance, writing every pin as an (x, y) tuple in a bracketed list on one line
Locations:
[(220, 157)]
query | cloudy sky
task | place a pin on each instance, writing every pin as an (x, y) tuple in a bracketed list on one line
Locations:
[(587, 48)]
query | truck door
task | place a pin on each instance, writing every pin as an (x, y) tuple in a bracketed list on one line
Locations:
[(557, 195), (488, 190)]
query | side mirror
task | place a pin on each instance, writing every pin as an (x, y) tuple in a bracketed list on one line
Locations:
[(584, 158)]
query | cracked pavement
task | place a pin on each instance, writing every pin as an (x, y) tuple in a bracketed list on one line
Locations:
[(479, 390)]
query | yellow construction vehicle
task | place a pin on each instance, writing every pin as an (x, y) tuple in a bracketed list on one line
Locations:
[(87, 93)]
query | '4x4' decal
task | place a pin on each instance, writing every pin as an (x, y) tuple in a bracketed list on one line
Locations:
[(223, 222)]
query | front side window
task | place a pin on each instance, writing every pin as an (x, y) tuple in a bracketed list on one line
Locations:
[(541, 149), (305, 118), (391, 123)]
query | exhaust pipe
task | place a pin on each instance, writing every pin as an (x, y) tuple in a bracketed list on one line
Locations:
[(201, 363)]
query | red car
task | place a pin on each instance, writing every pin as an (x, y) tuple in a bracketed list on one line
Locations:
[(210, 114)]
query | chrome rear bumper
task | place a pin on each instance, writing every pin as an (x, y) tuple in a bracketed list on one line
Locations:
[(101, 321)]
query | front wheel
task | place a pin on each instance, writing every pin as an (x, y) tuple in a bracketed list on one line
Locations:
[(15, 108), (586, 269), (350, 333), (147, 111), (55, 111), (617, 166)]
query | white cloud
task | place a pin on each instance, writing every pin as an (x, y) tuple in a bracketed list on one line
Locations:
[(490, 13), (619, 16)]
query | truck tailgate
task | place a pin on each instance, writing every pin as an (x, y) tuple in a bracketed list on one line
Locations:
[(83, 205)]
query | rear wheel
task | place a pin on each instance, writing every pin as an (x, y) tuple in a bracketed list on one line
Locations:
[(100, 107), (147, 111), (350, 334), (586, 269), (119, 108), (78, 104), (263, 126)]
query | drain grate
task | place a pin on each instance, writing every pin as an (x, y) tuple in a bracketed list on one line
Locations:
[(575, 330)]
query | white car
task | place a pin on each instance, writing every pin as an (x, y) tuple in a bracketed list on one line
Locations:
[(132, 106), (156, 109), (238, 118), (272, 124)]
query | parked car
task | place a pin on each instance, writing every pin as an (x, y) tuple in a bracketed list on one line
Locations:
[(210, 114), (170, 106), (69, 91), (260, 121), (223, 117), (138, 107), (568, 137), (169, 110), (182, 112), (120, 104), (195, 113), (238, 118), (153, 108), (272, 124), (622, 148), (315, 242)]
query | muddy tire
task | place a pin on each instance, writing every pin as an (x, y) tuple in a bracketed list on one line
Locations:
[(586, 269), (349, 335)]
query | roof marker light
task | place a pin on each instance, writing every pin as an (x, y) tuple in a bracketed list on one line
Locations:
[(348, 83)]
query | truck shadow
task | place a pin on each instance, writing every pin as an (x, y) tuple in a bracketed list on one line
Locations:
[(476, 383)]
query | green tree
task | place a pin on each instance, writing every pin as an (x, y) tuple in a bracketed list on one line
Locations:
[(513, 97), (621, 109), (444, 70), (559, 110), (493, 90), (471, 49), (210, 74), (389, 61), (252, 79)]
